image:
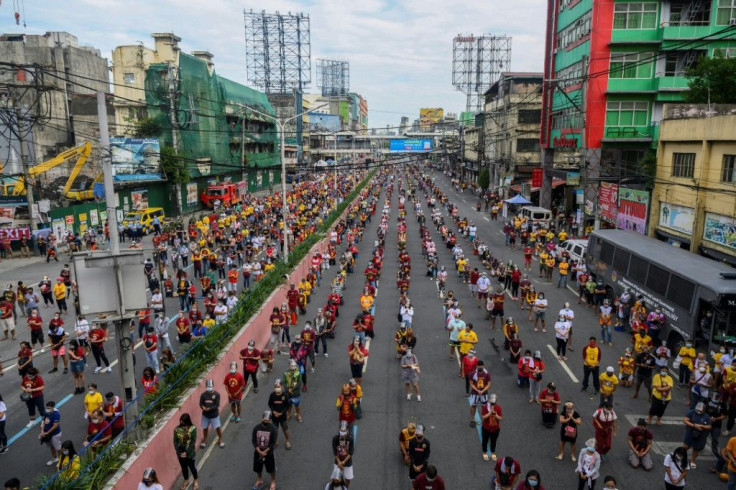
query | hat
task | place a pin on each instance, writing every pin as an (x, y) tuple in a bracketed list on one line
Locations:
[(537, 354), (609, 369)]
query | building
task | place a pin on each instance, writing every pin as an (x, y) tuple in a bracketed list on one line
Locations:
[(246, 142), (71, 76), (612, 65), (693, 203), (472, 154)]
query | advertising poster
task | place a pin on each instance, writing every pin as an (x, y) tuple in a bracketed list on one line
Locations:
[(94, 219), (69, 219), (720, 229), (678, 218), (103, 217), (191, 194), (7, 213), (411, 145), (139, 200), (608, 201), (135, 159), (59, 226), (633, 207), (259, 180)]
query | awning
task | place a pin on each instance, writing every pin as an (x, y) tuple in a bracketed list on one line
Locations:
[(717, 255), (666, 236), (555, 184)]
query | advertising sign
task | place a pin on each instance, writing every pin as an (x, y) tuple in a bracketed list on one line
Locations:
[(720, 229), (7, 213), (191, 194), (537, 177), (608, 201), (429, 116), (573, 179), (94, 218), (633, 207), (678, 218), (135, 159), (14, 233), (140, 200), (411, 145)]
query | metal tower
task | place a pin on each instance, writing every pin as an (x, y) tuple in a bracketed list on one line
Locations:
[(277, 51), (333, 77), (477, 62)]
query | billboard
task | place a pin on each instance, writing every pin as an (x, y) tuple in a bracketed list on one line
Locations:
[(678, 218), (720, 229), (608, 202), (135, 159), (633, 207), (411, 145), (324, 122), (429, 116)]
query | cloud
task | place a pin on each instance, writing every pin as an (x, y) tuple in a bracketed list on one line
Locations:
[(400, 51)]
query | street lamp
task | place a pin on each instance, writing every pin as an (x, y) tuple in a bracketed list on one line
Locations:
[(284, 209)]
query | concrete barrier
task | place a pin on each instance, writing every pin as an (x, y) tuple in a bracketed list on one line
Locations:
[(158, 450)]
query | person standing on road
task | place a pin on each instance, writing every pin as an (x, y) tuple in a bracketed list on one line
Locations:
[(3, 436), (589, 463), (687, 356), (718, 410), (57, 336), (77, 360), (342, 449), (292, 381), (185, 440), (209, 403), (419, 451), (51, 432), (7, 320), (569, 422), (697, 426), (569, 316), (662, 385), (591, 365), (562, 334), (467, 339), (480, 383), (645, 363), (605, 319), (251, 356), (608, 383), (35, 324), (278, 404), (234, 385), (150, 345), (469, 364), (605, 423), (549, 399), (263, 438), (358, 355), (410, 374), (455, 325), (540, 311), (97, 338), (676, 467), (32, 386), (491, 416), (536, 373)]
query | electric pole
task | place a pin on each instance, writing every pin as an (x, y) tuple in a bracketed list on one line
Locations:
[(173, 94), (20, 120)]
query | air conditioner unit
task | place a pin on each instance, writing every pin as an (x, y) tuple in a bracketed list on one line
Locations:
[(732, 22)]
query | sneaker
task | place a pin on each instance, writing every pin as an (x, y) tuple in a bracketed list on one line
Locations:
[(52, 462), (408, 396), (326, 354), (108, 370), (4, 450), (42, 350), (311, 370), (66, 371), (53, 370), (419, 398), (97, 370), (30, 424)]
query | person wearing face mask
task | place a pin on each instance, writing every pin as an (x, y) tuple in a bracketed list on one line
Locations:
[(589, 463), (676, 467), (92, 400), (342, 449), (429, 480), (278, 404), (419, 451), (605, 423), (405, 437), (263, 438), (697, 426), (308, 339), (250, 357), (69, 463), (549, 400), (686, 356), (591, 365), (185, 440), (99, 433), (491, 416), (209, 403), (569, 422), (532, 481), (609, 483), (701, 382), (150, 481), (662, 385), (410, 374), (717, 408), (292, 382), (234, 385), (358, 355)]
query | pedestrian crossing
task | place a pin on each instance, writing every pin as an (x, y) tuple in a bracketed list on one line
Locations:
[(663, 448)]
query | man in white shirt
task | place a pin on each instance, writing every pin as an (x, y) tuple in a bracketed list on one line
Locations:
[(569, 317), (484, 285), (157, 301), (454, 327)]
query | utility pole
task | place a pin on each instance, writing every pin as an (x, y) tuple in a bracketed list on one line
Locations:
[(173, 94), (20, 120)]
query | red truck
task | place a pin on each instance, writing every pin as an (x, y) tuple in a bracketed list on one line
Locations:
[(227, 194)]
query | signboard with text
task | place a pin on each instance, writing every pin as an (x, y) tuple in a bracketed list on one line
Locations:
[(537, 177), (633, 208), (678, 218), (14, 233), (135, 159), (411, 145), (608, 202)]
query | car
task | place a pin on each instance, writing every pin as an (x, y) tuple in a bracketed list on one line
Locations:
[(576, 248), (145, 216)]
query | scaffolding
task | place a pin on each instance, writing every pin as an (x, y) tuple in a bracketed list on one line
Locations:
[(333, 77), (277, 51), (477, 62)]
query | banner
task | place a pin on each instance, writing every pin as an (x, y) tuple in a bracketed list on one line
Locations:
[(720, 229), (608, 202), (411, 145), (14, 233), (633, 207), (191, 194), (140, 200), (537, 177), (678, 218), (94, 219), (135, 159)]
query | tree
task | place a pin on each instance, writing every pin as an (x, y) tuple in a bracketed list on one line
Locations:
[(174, 165), (147, 128), (484, 178), (712, 80)]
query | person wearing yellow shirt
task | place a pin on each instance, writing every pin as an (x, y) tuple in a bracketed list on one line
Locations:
[(687, 356), (60, 295), (609, 383), (591, 365), (626, 365), (549, 266), (467, 339), (543, 256), (69, 463), (306, 286), (662, 385), (366, 301), (562, 236), (563, 268), (640, 339), (550, 236), (92, 400), (268, 267)]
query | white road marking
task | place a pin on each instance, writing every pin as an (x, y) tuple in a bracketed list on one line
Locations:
[(563, 364), (666, 420), (486, 218), (140, 343)]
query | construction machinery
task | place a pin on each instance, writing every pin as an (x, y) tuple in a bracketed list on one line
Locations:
[(81, 153)]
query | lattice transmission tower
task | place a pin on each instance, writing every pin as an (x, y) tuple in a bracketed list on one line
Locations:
[(333, 77), (278, 51), (477, 62)]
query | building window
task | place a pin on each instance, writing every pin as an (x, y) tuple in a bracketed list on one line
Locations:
[(567, 118), (575, 31), (635, 15), (683, 164), (627, 113), (129, 78), (729, 164), (530, 116), (726, 12), (527, 145), (570, 75), (631, 65)]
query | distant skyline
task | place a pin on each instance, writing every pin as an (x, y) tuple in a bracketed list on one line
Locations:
[(400, 52)]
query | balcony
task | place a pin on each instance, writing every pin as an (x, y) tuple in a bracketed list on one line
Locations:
[(628, 134)]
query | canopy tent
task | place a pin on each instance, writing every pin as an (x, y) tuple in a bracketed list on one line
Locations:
[(518, 199)]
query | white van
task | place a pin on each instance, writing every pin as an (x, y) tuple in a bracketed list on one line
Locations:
[(575, 247), (536, 214)]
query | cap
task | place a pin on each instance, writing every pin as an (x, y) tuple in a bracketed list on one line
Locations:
[(609, 369), (537, 354)]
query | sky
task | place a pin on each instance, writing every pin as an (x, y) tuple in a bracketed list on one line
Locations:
[(400, 51)]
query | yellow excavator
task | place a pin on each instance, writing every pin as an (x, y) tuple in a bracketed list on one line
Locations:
[(81, 153)]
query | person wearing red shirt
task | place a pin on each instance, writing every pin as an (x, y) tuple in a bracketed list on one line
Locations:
[(7, 322), (308, 339), (232, 278), (429, 480), (474, 276), (515, 280), (292, 297), (491, 415), (528, 252), (113, 410), (144, 320), (183, 328), (470, 363), (550, 400), (480, 383), (32, 384), (97, 338), (35, 323), (250, 357), (507, 472), (99, 432), (195, 315), (234, 385), (497, 311), (358, 355)]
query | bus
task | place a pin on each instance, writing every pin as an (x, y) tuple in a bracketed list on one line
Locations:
[(697, 295)]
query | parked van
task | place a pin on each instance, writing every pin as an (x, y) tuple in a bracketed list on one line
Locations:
[(575, 247), (145, 217), (536, 214)]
